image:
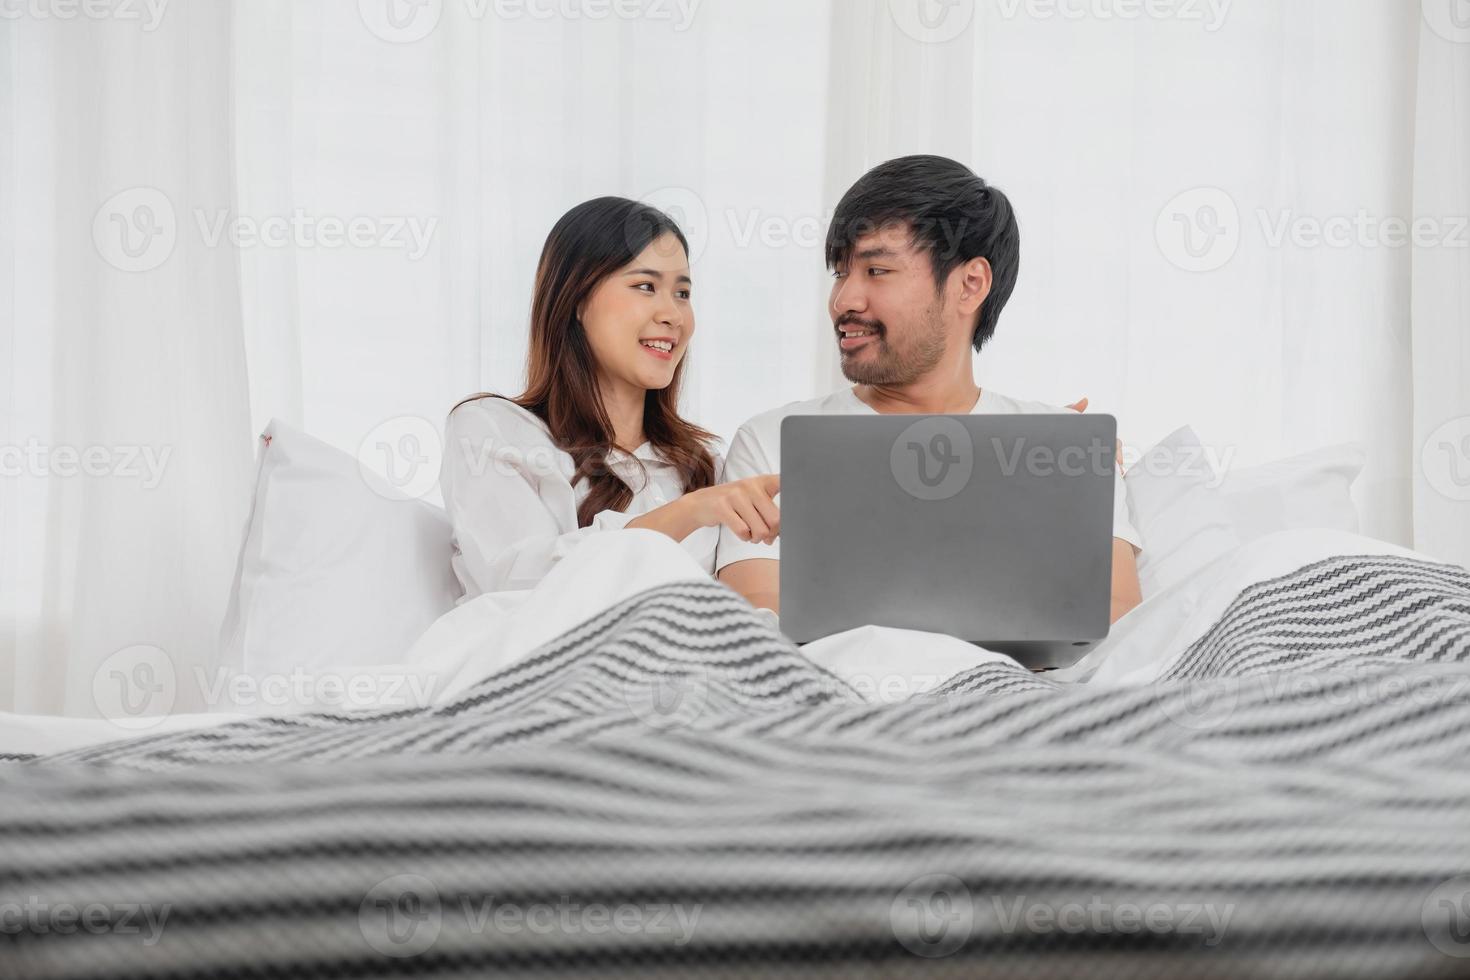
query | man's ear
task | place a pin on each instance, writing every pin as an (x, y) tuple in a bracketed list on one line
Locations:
[(974, 282)]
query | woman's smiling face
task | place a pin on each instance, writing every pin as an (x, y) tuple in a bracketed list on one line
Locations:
[(639, 320)]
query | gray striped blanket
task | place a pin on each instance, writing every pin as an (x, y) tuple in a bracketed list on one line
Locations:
[(671, 789)]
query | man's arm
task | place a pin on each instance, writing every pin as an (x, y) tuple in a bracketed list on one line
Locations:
[(757, 580), (1126, 592), (749, 568)]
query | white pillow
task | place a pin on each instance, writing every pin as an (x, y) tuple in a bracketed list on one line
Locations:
[(1174, 504), (337, 571), (1310, 490), (1188, 515)]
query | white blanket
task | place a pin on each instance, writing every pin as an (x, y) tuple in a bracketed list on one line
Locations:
[(491, 632)]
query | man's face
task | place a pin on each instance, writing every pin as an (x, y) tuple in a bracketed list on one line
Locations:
[(887, 314)]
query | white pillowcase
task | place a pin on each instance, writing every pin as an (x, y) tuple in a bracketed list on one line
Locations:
[(1310, 490), (1188, 516), (338, 569), (1179, 514)]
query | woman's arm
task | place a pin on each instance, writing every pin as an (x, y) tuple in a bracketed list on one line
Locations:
[(513, 513), (746, 507)]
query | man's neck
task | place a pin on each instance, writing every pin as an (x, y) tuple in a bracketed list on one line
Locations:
[(954, 394)]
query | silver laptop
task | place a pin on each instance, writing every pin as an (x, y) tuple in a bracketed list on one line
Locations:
[(996, 529)]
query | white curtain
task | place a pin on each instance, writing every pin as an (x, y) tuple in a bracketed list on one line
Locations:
[(126, 422), (360, 190), (483, 127), (1440, 461)]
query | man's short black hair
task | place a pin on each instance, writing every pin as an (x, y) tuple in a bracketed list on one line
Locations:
[(952, 213)]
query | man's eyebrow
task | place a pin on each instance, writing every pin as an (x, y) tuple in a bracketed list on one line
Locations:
[(682, 277), (876, 252)]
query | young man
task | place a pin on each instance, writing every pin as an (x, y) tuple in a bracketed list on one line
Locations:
[(924, 255)]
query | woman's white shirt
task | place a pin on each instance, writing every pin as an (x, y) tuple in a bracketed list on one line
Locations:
[(508, 491)]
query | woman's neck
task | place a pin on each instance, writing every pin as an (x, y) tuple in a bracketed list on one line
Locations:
[(624, 404)]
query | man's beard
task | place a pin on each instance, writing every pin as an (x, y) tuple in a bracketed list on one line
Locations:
[(889, 365)]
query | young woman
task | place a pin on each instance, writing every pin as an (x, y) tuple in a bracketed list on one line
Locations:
[(595, 444)]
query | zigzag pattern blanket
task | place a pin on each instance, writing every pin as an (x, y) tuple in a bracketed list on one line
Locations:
[(672, 789)]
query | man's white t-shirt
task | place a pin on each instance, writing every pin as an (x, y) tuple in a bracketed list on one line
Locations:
[(756, 451)]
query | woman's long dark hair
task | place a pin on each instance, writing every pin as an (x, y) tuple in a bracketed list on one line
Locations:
[(591, 242)]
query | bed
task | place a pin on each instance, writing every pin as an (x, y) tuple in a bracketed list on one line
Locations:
[(670, 788)]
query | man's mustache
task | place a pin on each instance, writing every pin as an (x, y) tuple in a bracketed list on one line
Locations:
[(849, 319)]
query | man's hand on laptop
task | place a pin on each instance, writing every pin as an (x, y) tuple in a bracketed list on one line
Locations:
[(1081, 406)]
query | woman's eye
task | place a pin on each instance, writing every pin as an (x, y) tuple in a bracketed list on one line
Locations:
[(645, 286), (684, 294)]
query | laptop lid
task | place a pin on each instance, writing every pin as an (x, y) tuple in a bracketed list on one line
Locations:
[(996, 529)]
